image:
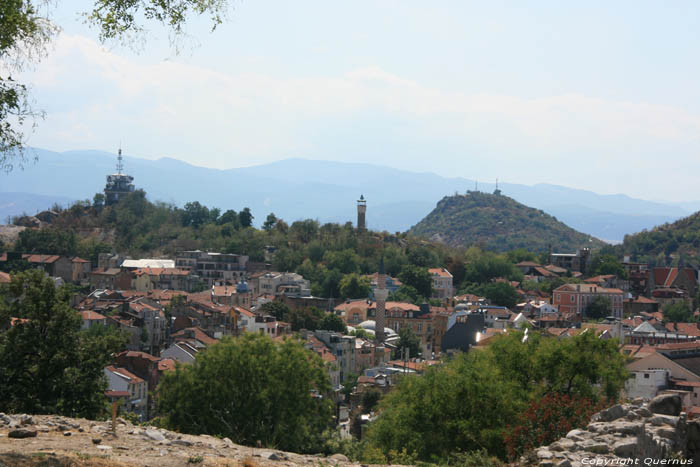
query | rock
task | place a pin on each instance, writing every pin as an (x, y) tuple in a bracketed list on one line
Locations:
[(4, 419), (626, 428), (229, 443), (96, 440), (273, 456), (22, 433), (643, 412), (155, 435), (592, 445), (340, 458), (80, 430), (578, 435), (43, 428), (104, 447), (610, 414), (564, 463), (121, 421), (666, 404), (67, 433), (181, 442), (668, 433), (564, 444), (658, 420), (26, 420), (544, 454), (625, 447)]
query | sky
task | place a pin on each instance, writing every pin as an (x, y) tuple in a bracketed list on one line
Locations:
[(596, 95)]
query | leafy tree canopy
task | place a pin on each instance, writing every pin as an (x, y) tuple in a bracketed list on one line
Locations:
[(251, 388), (678, 313), (48, 364), (600, 307), (419, 278)]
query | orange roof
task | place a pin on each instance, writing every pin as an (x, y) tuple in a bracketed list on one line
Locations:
[(79, 260), (643, 299), (41, 258), (137, 354), (442, 272), (91, 316), (5, 278), (690, 329), (680, 346), (586, 288), (166, 364), (200, 335)]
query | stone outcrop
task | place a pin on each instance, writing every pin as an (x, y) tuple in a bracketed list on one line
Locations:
[(657, 430), (54, 440)]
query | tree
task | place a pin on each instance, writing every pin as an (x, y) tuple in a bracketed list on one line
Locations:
[(195, 215), (419, 278), (470, 402), (98, 201), (245, 217), (48, 364), (500, 293), (279, 310), (408, 340), (251, 389), (354, 286), (270, 222), (678, 313), (607, 264), (25, 34), (600, 307), (332, 322)]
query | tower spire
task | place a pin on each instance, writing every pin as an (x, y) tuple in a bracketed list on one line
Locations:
[(120, 163)]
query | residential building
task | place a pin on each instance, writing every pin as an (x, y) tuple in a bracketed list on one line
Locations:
[(343, 347), (213, 268), (675, 278), (575, 298), (579, 261), (113, 279), (277, 283), (145, 279), (122, 380), (442, 283)]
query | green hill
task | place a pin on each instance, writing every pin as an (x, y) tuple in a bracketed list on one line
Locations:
[(666, 243), (498, 223)]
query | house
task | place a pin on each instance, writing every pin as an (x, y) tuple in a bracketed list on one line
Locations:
[(330, 361), (579, 261), (5, 278), (122, 380), (680, 362), (145, 279), (92, 318), (575, 298), (353, 312), (113, 279), (646, 383), (639, 305), (180, 351), (53, 265), (277, 283), (238, 295), (343, 347), (674, 278), (81, 271), (648, 334), (213, 268), (526, 267), (400, 315), (442, 283), (496, 317), (463, 329)]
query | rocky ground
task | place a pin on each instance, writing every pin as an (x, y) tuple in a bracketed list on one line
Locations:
[(49, 440), (643, 432)]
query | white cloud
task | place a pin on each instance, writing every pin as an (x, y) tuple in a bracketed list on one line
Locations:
[(94, 96)]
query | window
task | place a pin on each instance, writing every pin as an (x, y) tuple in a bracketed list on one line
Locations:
[(646, 375), (572, 299)]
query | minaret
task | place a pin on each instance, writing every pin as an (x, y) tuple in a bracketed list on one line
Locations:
[(380, 294), (361, 209)]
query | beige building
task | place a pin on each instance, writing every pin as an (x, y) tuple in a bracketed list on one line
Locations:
[(442, 283)]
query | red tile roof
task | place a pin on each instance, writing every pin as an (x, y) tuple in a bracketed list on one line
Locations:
[(5, 278), (166, 364), (442, 272), (91, 315)]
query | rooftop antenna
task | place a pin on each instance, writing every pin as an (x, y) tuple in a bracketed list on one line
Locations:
[(120, 164)]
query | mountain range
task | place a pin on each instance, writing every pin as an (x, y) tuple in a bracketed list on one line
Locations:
[(324, 190)]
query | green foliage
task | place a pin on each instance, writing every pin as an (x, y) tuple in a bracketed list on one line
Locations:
[(370, 399), (48, 364), (419, 278), (467, 403), (500, 293), (332, 322), (270, 222), (604, 264), (245, 217), (600, 307), (49, 240), (660, 245), (678, 313), (409, 340), (483, 266), (275, 308), (499, 223), (251, 388), (354, 286)]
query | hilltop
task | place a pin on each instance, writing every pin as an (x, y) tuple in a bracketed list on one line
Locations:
[(498, 223), (663, 243), (57, 440)]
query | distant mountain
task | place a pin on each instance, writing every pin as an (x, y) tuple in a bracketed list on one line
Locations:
[(298, 188), (16, 204), (499, 223)]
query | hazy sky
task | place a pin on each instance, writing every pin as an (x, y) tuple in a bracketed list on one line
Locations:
[(595, 95)]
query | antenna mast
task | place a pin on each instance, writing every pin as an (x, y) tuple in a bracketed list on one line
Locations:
[(120, 164)]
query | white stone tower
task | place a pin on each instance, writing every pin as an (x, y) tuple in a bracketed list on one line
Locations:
[(361, 210)]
